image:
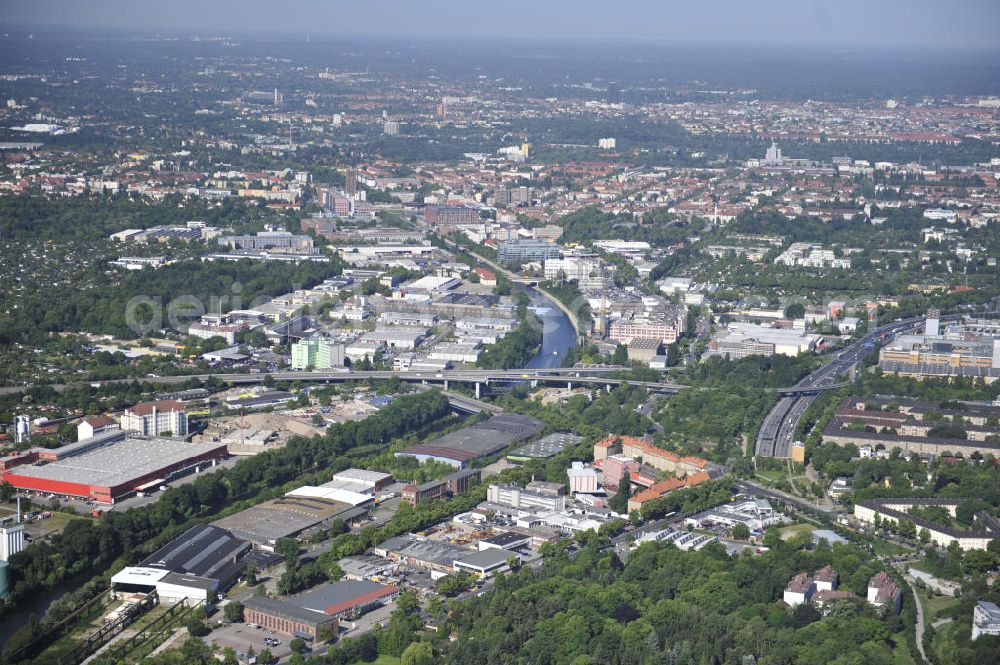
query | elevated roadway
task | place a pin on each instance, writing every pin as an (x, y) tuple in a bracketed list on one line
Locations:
[(600, 376), (593, 376)]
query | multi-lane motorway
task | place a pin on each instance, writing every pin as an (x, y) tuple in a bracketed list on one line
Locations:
[(777, 433)]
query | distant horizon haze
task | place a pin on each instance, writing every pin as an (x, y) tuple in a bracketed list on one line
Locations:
[(965, 24)]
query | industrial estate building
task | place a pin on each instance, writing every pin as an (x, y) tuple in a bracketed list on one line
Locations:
[(548, 446), (348, 599), (206, 551), (108, 467), (286, 618), (193, 567), (480, 440), (535, 495), (171, 587), (348, 497), (442, 558), (450, 485), (744, 339)]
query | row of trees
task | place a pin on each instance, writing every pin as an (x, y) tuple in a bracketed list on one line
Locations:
[(592, 415), (516, 348)]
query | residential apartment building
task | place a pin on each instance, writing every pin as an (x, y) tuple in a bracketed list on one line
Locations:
[(156, 419), (640, 449), (317, 354), (985, 619), (884, 593), (893, 510), (586, 272), (94, 425), (450, 215), (808, 255), (513, 196)]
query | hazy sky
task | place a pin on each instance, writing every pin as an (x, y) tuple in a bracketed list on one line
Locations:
[(974, 23)]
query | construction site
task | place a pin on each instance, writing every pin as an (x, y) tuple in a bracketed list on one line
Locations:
[(251, 433)]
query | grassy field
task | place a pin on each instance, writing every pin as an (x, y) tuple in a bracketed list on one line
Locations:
[(43, 528), (383, 660), (901, 654), (936, 604), (945, 640), (54, 524), (884, 548), (773, 476)]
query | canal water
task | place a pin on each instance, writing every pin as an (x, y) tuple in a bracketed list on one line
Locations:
[(558, 334), (37, 604)]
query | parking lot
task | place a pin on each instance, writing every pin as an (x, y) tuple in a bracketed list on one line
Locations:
[(241, 637)]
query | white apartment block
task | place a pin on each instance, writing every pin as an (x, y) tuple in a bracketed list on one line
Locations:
[(586, 272), (517, 497), (156, 419), (808, 255), (985, 619)]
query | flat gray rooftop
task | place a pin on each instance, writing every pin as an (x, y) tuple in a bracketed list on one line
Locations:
[(487, 559), (489, 436), (338, 594), (429, 551), (282, 518), (479, 441), (119, 462), (285, 610), (551, 445)]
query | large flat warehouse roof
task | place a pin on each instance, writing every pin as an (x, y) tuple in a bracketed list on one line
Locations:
[(281, 518), (203, 550), (118, 463), (479, 440), (549, 446)]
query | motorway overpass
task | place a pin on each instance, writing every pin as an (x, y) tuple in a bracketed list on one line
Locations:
[(599, 376)]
